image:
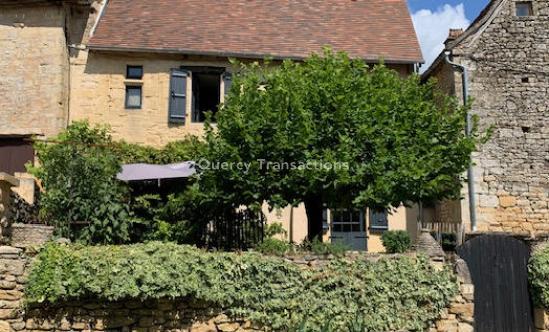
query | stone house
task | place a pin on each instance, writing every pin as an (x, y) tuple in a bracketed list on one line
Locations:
[(506, 54), (151, 69)]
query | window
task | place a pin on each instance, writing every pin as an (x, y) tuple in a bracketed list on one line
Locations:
[(134, 72), (379, 220), (133, 97), (206, 94), (347, 221), (524, 8)]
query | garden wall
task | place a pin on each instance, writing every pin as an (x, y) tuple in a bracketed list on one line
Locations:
[(159, 315)]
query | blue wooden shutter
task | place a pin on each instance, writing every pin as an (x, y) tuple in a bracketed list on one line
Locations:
[(227, 82), (178, 95)]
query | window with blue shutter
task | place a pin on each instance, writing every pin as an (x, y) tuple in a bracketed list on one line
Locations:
[(178, 95)]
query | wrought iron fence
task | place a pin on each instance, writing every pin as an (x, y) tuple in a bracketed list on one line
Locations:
[(234, 230)]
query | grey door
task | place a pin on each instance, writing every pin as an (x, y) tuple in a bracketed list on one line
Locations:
[(348, 227)]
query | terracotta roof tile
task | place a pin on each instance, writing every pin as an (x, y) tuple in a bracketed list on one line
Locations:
[(368, 29)]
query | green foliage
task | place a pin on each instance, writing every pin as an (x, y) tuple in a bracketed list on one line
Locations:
[(392, 139), (188, 148), (402, 293), (274, 229), (396, 241), (78, 172), (539, 277), (272, 246), (325, 248)]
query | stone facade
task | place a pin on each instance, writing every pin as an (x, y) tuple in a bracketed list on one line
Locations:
[(507, 58), (98, 88), (34, 70), (158, 315)]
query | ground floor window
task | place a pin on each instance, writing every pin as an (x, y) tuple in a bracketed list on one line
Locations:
[(347, 220), (379, 220)]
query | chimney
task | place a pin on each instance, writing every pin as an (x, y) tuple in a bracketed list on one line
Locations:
[(453, 34)]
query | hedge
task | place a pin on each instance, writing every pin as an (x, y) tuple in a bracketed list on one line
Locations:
[(397, 293), (539, 277)]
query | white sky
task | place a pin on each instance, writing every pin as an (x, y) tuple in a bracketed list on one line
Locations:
[(432, 29)]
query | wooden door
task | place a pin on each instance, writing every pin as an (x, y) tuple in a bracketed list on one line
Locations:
[(14, 154), (498, 267)]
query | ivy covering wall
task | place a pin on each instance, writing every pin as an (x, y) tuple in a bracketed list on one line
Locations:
[(394, 293), (539, 277)]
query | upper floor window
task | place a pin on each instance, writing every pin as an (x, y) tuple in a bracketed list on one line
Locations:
[(205, 92), (524, 8), (134, 72)]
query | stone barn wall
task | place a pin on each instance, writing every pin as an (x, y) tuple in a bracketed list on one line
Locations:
[(508, 62), (34, 70)]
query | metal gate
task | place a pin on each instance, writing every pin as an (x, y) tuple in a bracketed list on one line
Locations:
[(498, 267)]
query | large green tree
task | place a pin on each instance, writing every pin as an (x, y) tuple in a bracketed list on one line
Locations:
[(333, 131)]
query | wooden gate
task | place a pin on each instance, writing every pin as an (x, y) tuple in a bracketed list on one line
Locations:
[(498, 267)]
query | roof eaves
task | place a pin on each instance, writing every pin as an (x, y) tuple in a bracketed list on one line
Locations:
[(95, 47)]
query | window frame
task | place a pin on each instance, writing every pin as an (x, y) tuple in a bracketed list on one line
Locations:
[(130, 67), (126, 104), (193, 71), (529, 5), (376, 226)]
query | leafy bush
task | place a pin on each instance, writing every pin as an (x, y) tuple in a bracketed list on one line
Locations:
[(396, 241), (189, 148), (78, 172), (24, 213), (539, 277), (324, 248), (400, 293), (274, 229), (271, 246)]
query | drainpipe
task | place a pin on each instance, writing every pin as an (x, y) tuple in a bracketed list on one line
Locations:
[(468, 131)]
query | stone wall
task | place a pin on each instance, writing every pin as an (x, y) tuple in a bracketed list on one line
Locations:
[(156, 315), (541, 320), (508, 61), (34, 69), (98, 88)]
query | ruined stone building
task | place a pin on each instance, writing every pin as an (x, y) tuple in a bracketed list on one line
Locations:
[(506, 54)]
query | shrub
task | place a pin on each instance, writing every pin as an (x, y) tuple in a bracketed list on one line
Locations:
[(78, 171), (271, 246), (398, 293), (188, 148), (539, 277), (324, 248), (396, 241)]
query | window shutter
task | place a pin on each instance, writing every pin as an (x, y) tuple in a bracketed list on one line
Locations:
[(228, 82), (178, 95)]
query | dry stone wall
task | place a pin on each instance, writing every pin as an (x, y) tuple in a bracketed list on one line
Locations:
[(157, 315), (508, 63)]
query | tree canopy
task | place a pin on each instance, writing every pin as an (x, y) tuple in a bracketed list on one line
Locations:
[(334, 131)]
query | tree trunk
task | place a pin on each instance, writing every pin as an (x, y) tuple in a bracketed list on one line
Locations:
[(313, 208)]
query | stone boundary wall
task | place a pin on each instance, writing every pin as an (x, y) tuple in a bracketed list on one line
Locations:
[(160, 315), (541, 320)]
